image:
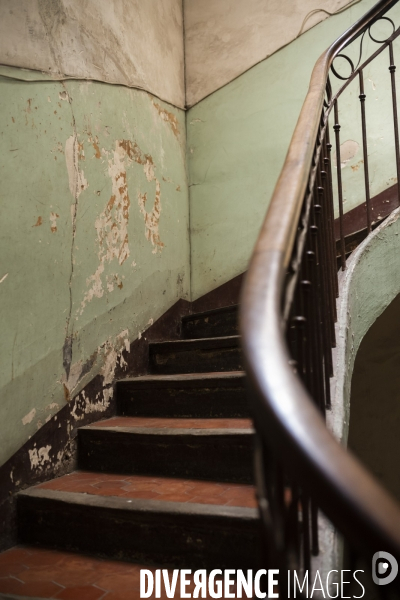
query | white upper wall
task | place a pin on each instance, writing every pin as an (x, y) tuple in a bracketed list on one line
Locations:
[(224, 38), (132, 42)]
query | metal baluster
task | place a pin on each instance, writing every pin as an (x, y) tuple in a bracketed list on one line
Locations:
[(392, 69), (336, 128), (322, 300), (362, 97), (325, 263), (317, 345), (328, 168)]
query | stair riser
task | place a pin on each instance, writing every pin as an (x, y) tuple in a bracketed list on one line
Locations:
[(216, 325), (213, 457), (196, 541), (208, 401), (196, 360)]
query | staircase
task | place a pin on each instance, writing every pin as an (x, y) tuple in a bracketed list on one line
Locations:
[(169, 479)]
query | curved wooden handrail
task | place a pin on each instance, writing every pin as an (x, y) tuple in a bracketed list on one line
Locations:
[(284, 413)]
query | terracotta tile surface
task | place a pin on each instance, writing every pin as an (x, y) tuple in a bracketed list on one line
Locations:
[(175, 423), (39, 573), (155, 488)]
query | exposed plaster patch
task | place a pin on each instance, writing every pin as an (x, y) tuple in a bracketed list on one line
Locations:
[(39, 457), (76, 177), (53, 220), (114, 280), (168, 117), (95, 143), (29, 417), (83, 406), (3, 278), (64, 96), (112, 224), (151, 219)]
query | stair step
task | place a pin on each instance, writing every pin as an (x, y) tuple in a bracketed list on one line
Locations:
[(196, 356), (212, 323), (174, 533), (216, 449), (148, 487), (188, 395)]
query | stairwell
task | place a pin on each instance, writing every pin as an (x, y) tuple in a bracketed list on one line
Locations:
[(169, 479)]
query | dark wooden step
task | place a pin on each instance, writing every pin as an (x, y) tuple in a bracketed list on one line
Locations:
[(171, 533), (212, 323), (212, 449), (190, 395), (196, 356)]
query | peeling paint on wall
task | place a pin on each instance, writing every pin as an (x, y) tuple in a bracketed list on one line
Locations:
[(115, 143), (39, 457), (112, 224), (152, 218), (83, 406), (76, 177), (168, 117), (29, 417), (53, 221)]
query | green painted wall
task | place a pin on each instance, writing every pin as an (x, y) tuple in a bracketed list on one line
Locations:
[(238, 138), (94, 242)]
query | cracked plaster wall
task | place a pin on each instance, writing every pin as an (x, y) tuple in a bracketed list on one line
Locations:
[(226, 38), (237, 139), (94, 243), (129, 42)]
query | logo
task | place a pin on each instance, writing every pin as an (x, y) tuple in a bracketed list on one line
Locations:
[(384, 568)]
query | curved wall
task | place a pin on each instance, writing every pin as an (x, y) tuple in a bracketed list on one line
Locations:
[(375, 399), (367, 287)]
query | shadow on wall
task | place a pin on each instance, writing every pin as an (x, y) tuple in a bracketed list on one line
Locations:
[(375, 399)]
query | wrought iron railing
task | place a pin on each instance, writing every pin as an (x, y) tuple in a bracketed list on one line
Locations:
[(288, 316)]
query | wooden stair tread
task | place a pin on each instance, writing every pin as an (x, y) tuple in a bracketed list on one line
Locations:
[(213, 311), (211, 342), (166, 489), (183, 378), (166, 423)]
